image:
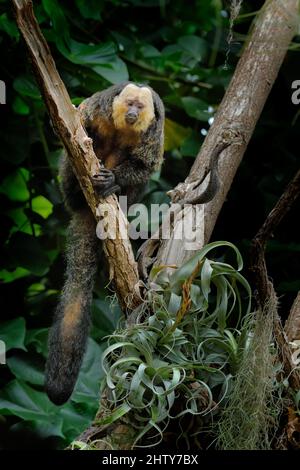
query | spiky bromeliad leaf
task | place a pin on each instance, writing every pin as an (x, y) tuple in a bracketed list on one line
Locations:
[(185, 352)]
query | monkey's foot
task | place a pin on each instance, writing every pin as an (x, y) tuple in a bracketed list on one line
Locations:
[(103, 179)]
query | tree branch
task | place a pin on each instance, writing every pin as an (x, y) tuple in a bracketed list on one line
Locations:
[(67, 124), (234, 122), (258, 245), (264, 287), (292, 325), (292, 373), (247, 93)]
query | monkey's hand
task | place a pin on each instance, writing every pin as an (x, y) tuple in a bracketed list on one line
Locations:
[(105, 183)]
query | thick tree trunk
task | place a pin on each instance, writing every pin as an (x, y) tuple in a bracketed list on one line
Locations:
[(237, 116), (264, 288), (258, 264)]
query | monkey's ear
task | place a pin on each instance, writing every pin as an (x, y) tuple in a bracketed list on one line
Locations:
[(158, 107)]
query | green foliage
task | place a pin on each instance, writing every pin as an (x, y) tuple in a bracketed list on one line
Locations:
[(23, 396), (9, 26), (14, 186), (181, 359), (13, 333)]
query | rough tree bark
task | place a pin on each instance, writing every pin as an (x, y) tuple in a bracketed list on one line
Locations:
[(235, 120), (264, 286), (258, 263), (67, 124)]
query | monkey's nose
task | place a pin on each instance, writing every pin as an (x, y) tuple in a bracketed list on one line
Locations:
[(131, 117)]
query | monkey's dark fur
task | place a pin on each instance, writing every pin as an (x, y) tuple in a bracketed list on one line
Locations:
[(131, 156)]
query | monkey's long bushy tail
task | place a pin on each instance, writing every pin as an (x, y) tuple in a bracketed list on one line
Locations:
[(69, 333)]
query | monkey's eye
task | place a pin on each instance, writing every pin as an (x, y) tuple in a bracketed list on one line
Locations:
[(130, 103), (140, 105)]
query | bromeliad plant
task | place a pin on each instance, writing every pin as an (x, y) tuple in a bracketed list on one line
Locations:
[(181, 358)]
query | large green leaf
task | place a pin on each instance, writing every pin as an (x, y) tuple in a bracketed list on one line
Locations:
[(9, 26), (76, 419), (20, 106), (26, 368), (26, 251), (12, 332), (195, 46), (191, 145), (27, 87), (19, 399), (10, 276), (89, 54), (91, 9), (91, 373), (42, 206), (23, 222), (38, 339), (14, 185), (196, 108), (115, 72), (101, 58), (60, 24)]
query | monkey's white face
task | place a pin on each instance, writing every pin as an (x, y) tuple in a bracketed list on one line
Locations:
[(133, 108)]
